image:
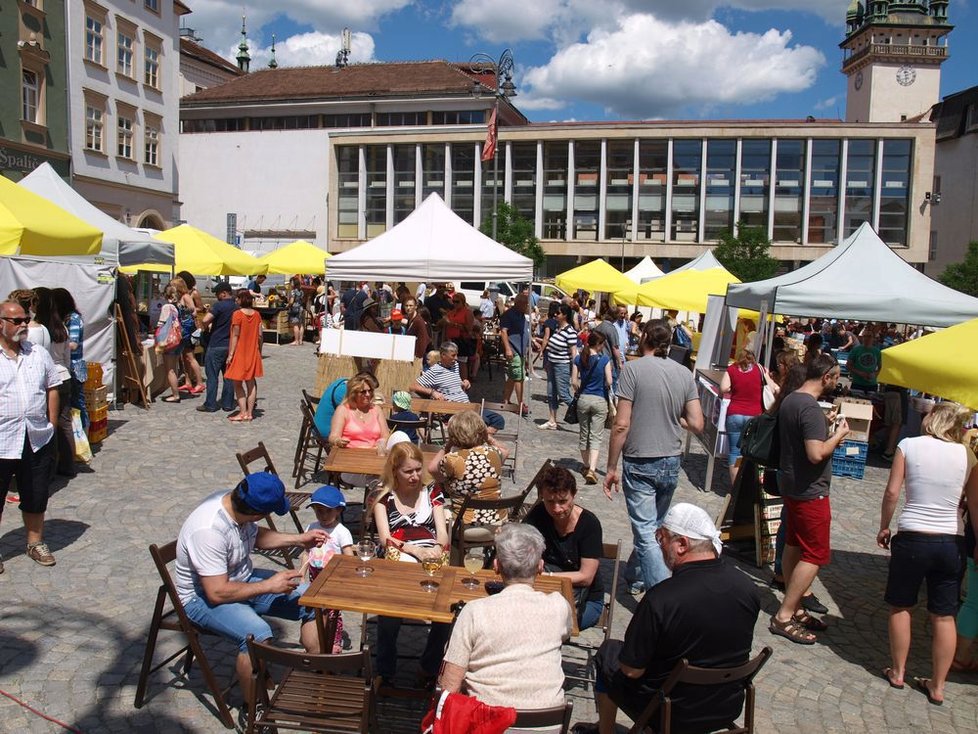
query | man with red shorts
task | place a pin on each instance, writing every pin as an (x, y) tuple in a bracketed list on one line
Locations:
[(804, 478)]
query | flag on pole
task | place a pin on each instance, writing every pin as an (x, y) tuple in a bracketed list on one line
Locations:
[(489, 147)]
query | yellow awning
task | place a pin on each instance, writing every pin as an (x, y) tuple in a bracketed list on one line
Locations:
[(596, 276), (941, 364), (200, 253), (297, 258), (685, 290), (32, 225)]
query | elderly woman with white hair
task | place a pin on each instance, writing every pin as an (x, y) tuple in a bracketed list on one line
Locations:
[(505, 649)]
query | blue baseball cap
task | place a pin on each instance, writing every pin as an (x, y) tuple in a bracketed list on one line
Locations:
[(264, 493), (328, 496)]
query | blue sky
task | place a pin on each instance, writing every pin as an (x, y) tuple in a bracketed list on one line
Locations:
[(595, 59)]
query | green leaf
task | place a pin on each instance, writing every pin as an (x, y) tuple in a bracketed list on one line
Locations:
[(963, 276), (746, 254), (515, 232)]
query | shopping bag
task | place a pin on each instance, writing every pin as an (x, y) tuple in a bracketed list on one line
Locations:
[(83, 452), (169, 334)]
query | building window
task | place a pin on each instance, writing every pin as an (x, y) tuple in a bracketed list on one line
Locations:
[(789, 190), (348, 180), (860, 176), (376, 214), (823, 204), (93, 39), (151, 75), (587, 172), (461, 117), (463, 180), (721, 164), (932, 247), (895, 192), (152, 5), (555, 161), (124, 47), (755, 182), (392, 119), (124, 128), (151, 143), (350, 119), (524, 179), (31, 96), (653, 167), (404, 181), (432, 170), (687, 161), (94, 127)]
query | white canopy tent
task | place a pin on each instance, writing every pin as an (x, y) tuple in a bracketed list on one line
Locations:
[(646, 270), (863, 279), (433, 244)]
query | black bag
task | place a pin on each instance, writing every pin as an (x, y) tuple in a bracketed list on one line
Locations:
[(760, 441), (571, 415)]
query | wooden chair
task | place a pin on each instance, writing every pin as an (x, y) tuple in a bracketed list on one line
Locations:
[(547, 719), (468, 535), (509, 434), (419, 426), (534, 484), (322, 693), (610, 552), (313, 403), (175, 620), (687, 674), (313, 447)]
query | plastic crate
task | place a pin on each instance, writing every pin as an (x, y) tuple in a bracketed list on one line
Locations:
[(98, 431), (848, 468), (852, 451), (98, 414), (96, 397)]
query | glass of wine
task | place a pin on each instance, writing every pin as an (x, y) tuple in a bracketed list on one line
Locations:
[(365, 551), (474, 560), (430, 566)]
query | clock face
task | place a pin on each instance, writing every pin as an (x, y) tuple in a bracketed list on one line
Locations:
[(906, 75), (858, 81)]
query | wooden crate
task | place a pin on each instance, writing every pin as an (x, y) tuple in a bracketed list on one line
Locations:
[(96, 397)]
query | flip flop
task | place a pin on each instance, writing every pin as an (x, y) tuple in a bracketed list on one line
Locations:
[(791, 630), (886, 674), (809, 622), (921, 685)]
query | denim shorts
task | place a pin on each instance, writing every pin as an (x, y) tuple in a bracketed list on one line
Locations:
[(734, 428), (932, 557), (237, 620)]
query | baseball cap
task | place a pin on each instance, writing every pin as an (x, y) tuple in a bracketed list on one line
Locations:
[(223, 287), (402, 400), (264, 492), (396, 315), (328, 496)]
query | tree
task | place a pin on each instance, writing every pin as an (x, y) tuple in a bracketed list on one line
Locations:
[(746, 254), (516, 232), (963, 276)]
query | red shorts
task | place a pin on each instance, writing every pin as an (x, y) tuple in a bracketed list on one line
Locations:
[(809, 523)]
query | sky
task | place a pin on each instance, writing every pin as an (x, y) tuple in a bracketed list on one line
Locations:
[(593, 59)]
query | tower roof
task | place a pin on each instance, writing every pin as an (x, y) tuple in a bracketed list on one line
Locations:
[(909, 13)]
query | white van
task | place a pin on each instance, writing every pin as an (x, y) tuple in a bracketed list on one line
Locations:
[(500, 291)]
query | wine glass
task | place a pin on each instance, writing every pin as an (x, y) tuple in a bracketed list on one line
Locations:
[(365, 550), (473, 561), (430, 564)]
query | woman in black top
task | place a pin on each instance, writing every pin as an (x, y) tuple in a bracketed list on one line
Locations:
[(573, 541)]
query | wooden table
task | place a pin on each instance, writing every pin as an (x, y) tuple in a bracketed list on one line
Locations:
[(394, 590), (360, 461), (442, 407)]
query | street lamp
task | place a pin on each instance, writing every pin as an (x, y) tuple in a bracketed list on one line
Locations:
[(502, 69)]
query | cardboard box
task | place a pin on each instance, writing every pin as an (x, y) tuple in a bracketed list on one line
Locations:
[(858, 414)]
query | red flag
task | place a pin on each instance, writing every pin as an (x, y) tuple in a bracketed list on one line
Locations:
[(489, 147)]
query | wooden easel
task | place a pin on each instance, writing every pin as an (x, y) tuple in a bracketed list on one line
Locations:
[(132, 381)]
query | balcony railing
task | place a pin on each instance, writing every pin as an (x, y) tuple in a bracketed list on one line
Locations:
[(905, 50)]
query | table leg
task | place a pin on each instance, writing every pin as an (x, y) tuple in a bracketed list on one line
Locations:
[(326, 629)]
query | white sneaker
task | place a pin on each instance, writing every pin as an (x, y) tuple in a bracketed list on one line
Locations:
[(548, 426)]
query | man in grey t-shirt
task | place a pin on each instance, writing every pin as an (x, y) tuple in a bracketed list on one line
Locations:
[(657, 399)]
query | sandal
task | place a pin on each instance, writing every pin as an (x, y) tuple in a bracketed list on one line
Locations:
[(809, 622), (886, 674), (791, 630), (170, 399), (921, 685)]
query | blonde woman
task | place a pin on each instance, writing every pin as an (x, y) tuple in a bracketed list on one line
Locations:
[(187, 308), (410, 517), (936, 469), (171, 357), (357, 422)]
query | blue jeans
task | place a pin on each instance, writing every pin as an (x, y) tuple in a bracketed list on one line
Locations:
[(648, 486), (237, 620), (558, 387), (590, 613), (215, 360), (734, 428)]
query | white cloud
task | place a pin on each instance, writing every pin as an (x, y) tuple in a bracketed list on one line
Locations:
[(829, 104), (503, 21), (647, 67), (833, 11), (313, 49)]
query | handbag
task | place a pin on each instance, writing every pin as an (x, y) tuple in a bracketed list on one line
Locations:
[(169, 334), (571, 415), (760, 441), (767, 394)]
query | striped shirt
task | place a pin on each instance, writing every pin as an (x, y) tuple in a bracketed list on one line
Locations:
[(560, 345), (447, 382), (24, 383)]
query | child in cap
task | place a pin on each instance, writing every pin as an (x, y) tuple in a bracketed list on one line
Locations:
[(402, 401), (328, 503)]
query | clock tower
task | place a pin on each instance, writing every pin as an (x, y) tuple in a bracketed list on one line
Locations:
[(893, 53)]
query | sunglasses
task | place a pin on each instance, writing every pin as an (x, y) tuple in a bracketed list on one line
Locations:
[(19, 320)]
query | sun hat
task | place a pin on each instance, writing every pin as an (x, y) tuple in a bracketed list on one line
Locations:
[(327, 496), (691, 521), (264, 492), (402, 400), (367, 303)]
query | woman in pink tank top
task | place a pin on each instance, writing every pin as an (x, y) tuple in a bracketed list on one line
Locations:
[(358, 423)]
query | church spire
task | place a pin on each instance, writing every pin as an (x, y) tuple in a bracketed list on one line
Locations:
[(244, 58), (273, 64)]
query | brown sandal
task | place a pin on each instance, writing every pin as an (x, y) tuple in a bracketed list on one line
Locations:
[(791, 630), (810, 622)]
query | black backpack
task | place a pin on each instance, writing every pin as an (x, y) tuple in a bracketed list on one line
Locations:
[(761, 441)]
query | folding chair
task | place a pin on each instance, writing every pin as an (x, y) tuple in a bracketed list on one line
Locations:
[(534, 484), (321, 693), (176, 620), (508, 434), (312, 447), (296, 499), (469, 535), (420, 427), (610, 552), (313, 403), (684, 673), (547, 719)]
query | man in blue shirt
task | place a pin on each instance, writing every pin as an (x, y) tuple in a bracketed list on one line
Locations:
[(621, 324), (514, 336), (216, 356)]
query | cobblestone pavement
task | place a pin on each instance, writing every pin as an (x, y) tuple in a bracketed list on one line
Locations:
[(72, 636)]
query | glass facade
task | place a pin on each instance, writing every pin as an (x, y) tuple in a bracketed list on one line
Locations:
[(789, 190), (878, 177), (823, 203), (721, 172), (860, 175)]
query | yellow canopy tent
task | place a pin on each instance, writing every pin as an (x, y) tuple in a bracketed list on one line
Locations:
[(596, 276), (202, 254), (685, 290), (32, 225), (297, 258), (941, 364)]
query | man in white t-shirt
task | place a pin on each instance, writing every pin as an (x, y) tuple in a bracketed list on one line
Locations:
[(216, 580)]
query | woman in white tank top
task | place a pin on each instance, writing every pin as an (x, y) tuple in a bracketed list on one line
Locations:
[(937, 470)]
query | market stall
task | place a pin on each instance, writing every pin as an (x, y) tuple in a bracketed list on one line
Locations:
[(200, 253), (685, 290), (645, 270), (596, 276), (296, 258)]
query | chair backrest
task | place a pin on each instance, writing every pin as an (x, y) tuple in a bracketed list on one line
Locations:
[(504, 507), (259, 453), (354, 663), (163, 556), (539, 718), (307, 415), (611, 552), (311, 400), (419, 426)]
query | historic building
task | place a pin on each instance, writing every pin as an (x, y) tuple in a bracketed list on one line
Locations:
[(200, 67)]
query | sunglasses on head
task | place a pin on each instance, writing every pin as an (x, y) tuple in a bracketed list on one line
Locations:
[(19, 320)]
